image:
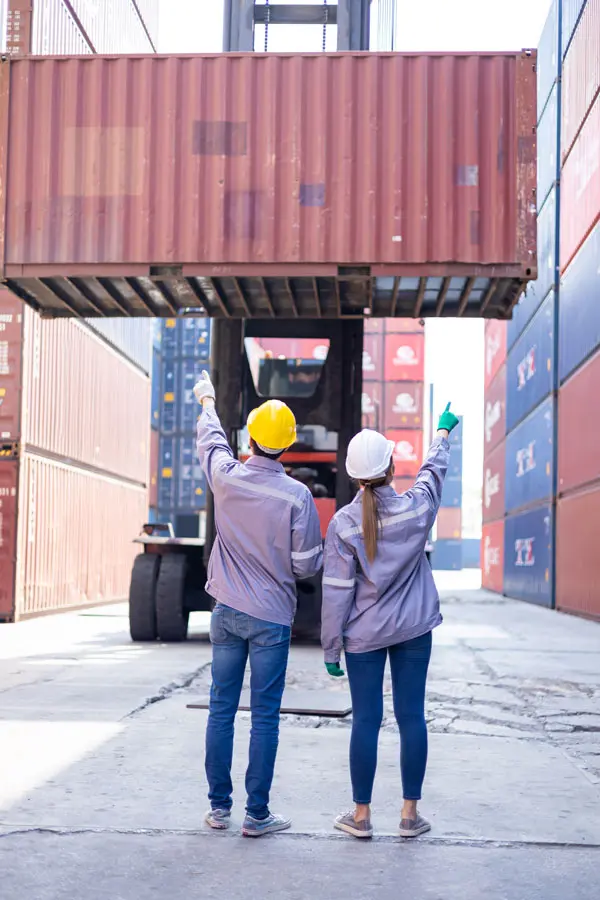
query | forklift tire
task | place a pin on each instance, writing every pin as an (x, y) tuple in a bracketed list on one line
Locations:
[(142, 597), (171, 616)]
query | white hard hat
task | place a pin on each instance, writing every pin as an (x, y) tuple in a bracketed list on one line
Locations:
[(369, 455)]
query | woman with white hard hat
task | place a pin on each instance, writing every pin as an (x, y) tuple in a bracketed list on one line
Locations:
[(380, 600)]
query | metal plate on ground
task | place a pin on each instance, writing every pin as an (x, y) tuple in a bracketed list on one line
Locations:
[(298, 703)]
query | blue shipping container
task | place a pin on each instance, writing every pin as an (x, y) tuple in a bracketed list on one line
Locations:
[(131, 337), (169, 340), (530, 366), (579, 308), (528, 557), (456, 462), (189, 372), (530, 459), (548, 58), (191, 484), (157, 327), (447, 555), (452, 492), (155, 389), (169, 400), (471, 553), (547, 149), (194, 338), (456, 437), (571, 11), (167, 480)]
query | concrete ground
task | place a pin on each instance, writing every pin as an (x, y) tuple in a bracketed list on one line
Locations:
[(102, 790)]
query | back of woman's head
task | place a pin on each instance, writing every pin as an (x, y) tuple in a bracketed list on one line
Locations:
[(369, 461)]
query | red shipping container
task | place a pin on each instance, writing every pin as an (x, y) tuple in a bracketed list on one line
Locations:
[(580, 188), (401, 485), (404, 357), (492, 556), (580, 74), (449, 523), (374, 326), (408, 452), (9, 475), (577, 566), (372, 412), (494, 423), (404, 326), (579, 428), (296, 348), (373, 357), (494, 480), (495, 349), (403, 404), (11, 348), (154, 455), (89, 151)]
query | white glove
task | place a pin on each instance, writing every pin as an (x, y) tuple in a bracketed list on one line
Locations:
[(204, 389)]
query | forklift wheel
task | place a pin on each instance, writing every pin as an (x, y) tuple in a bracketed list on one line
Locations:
[(142, 597), (171, 615)]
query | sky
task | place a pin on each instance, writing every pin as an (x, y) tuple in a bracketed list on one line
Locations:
[(454, 348)]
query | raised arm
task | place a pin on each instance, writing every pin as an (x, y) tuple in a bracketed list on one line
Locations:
[(211, 443)]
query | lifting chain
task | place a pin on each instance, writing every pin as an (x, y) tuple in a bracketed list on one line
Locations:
[(267, 20), (325, 21)]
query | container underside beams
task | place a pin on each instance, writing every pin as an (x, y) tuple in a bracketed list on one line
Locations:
[(353, 292)]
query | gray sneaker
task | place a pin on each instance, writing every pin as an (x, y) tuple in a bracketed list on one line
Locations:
[(348, 823), (410, 828), (257, 827), (219, 819)]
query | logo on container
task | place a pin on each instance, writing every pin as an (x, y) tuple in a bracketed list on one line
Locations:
[(405, 356), (367, 363), (526, 459), (492, 346), (491, 487), (405, 403), (493, 414), (524, 552), (367, 404), (320, 352), (491, 555), (526, 369), (405, 452)]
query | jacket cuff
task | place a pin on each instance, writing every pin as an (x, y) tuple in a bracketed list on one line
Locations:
[(333, 656)]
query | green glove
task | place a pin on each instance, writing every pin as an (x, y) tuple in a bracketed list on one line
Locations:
[(448, 421), (334, 669)]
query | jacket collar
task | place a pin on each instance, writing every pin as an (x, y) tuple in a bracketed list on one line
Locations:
[(261, 462)]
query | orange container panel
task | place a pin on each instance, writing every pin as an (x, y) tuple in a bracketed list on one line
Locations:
[(74, 537), (449, 523), (173, 170), (83, 401), (577, 569)]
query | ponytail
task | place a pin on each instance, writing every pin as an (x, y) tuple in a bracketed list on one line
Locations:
[(370, 521)]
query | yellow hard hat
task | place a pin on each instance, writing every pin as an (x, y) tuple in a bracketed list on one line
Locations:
[(272, 426)]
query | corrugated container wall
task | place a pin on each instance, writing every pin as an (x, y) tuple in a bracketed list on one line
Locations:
[(528, 556), (579, 308), (3, 18), (132, 338), (530, 365), (547, 60), (530, 454), (9, 482), (83, 401), (580, 75), (580, 188), (571, 11), (577, 529), (579, 429), (55, 31), (115, 26), (494, 424), (388, 203), (75, 540), (494, 349), (494, 484), (492, 556), (11, 340), (548, 158)]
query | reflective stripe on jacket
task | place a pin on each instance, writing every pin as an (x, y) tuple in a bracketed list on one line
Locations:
[(267, 529), (367, 606)]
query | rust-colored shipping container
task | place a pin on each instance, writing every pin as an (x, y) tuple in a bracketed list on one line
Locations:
[(11, 336), (83, 401), (577, 563), (225, 183), (153, 480), (296, 348), (408, 451), (449, 523), (401, 485), (495, 349), (580, 188), (580, 74), (579, 428), (492, 556), (404, 326), (372, 367), (9, 477), (374, 326), (494, 422), (494, 484), (74, 537), (403, 404), (372, 405), (404, 357)]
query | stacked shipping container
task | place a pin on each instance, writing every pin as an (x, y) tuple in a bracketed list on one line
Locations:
[(542, 484), (74, 397)]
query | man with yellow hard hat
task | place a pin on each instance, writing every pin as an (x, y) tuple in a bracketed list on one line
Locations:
[(267, 535)]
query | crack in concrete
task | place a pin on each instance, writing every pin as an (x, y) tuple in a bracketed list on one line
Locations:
[(168, 690), (440, 841)]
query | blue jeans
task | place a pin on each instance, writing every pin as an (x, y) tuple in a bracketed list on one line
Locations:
[(409, 663), (236, 636)]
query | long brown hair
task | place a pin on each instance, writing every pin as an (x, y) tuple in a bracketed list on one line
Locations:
[(370, 512)]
